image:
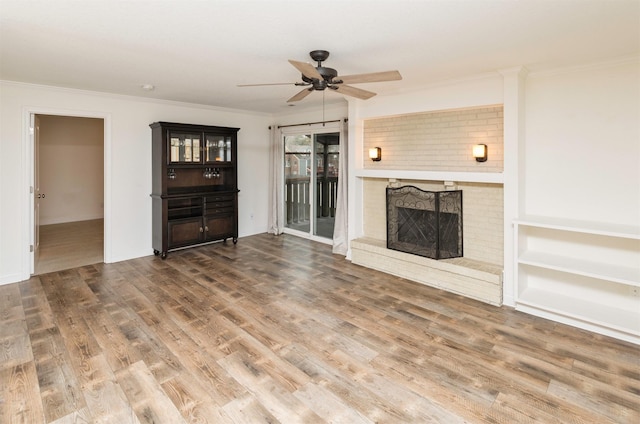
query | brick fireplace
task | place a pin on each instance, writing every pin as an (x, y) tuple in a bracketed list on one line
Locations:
[(432, 151)]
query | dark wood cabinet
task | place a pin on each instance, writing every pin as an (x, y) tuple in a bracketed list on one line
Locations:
[(194, 185)]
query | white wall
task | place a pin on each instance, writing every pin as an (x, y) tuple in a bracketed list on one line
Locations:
[(295, 116), (582, 155), (71, 164), (127, 166)]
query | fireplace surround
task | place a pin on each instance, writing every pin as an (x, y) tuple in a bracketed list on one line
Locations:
[(425, 223)]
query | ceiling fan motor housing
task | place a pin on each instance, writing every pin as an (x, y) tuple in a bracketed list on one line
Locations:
[(328, 74)]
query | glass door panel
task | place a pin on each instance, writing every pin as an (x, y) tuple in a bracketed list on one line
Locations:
[(326, 184), (184, 148), (297, 176), (217, 148)]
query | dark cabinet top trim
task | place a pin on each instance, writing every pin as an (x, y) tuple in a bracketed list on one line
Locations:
[(192, 127)]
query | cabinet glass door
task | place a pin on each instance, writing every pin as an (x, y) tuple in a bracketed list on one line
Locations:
[(184, 148), (217, 148)]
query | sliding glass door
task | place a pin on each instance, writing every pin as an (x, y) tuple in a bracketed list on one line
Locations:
[(311, 181), (297, 180), (326, 164)]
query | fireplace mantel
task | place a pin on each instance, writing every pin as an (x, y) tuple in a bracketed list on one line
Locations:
[(470, 177)]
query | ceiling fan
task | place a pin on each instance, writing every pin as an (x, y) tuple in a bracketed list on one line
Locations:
[(319, 78)]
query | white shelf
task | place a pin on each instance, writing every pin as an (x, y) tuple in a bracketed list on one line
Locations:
[(609, 320), (618, 274), (467, 177), (593, 304), (587, 227)]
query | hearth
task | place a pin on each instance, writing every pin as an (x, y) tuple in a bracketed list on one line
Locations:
[(425, 223)]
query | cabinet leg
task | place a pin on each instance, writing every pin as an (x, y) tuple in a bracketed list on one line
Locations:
[(156, 252), (164, 255), (235, 240)]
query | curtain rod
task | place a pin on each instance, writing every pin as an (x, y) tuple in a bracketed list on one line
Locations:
[(309, 123)]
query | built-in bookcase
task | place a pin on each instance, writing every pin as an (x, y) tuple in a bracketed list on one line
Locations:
[(585, 274)]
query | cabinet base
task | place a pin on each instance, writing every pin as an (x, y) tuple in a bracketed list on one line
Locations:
[(163, 254)]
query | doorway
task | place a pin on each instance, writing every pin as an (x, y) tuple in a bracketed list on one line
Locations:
[(68, 192), (311, 166)]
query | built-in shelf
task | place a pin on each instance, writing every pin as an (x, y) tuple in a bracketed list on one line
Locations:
[(470, 177), (549, 282), (618, 274), (587, 227)]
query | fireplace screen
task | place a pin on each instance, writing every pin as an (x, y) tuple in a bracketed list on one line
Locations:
[(425, 223)]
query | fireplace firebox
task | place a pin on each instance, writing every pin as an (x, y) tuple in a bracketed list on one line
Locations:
[(425, 223)]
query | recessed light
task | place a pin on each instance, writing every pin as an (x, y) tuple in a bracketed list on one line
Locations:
[(147, 87)]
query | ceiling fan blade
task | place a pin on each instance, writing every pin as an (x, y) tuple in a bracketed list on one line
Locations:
[(301, 95), (258, 85), (354, 92), (306, 69), (372, 77)]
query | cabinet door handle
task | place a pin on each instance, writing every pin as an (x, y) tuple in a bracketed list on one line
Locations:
[(206, 228), (201, 230)]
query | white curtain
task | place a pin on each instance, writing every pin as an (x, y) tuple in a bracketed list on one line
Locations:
[(276, 184), (340, 230)]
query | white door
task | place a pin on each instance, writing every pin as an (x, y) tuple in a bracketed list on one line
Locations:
[(35, 142), (38, 195)]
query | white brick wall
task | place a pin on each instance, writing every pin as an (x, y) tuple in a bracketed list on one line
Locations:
[(437, 141)]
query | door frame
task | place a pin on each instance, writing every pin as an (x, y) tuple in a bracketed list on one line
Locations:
[(28, 201), (311, 129)]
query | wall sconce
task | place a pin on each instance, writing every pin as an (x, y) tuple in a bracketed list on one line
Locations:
[(480, 152), (375, 154)]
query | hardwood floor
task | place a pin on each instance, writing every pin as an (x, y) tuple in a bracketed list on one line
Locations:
[(70, 245), (277, 329)]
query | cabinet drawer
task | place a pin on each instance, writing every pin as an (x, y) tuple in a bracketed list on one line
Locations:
[(219, 205), (219, 210), (217, 198), (183, 232)]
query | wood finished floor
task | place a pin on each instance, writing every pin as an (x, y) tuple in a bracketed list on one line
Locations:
[(70, 245), (277, 329)]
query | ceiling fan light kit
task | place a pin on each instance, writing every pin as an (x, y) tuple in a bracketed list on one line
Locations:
[(319, 78)]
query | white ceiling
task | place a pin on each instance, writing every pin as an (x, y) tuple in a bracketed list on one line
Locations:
[(199, 51)]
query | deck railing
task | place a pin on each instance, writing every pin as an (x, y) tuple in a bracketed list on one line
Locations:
[(298, 198)]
